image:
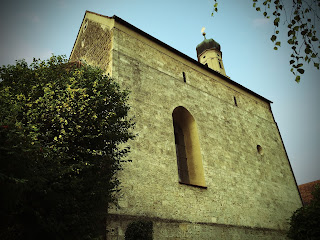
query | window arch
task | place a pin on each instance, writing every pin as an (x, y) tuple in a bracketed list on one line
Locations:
[(189, 160)]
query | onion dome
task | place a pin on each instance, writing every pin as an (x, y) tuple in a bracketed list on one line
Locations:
[(207, 44)]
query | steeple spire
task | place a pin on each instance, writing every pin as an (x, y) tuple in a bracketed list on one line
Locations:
[(209, 54), (203, 32)]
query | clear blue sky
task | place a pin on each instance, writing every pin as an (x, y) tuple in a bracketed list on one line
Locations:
[(40, 27)]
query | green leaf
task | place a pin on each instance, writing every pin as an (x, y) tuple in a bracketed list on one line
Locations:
[(316, 65), (290, 32), (265, 14), (273, 38), (278, 43), (307, 50), (215, 5), (297, 18), (300, 70), (275, 48), (291, 62), (297, 79), (258, 9)]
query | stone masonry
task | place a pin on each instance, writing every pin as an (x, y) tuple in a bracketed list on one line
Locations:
[(250, 191)]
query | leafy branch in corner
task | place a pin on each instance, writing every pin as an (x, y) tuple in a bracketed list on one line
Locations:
[(301, 17)]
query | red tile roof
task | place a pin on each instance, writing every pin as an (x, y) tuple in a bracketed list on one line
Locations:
[(306, 191)]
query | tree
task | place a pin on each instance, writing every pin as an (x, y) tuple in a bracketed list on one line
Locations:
[(305, 222), (61, 127), (139, 230), (301, 17)]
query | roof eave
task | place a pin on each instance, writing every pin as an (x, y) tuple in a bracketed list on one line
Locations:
[(125, 23), (139, 31)]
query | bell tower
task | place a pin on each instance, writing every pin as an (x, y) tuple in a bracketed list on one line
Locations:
[(209, 54)]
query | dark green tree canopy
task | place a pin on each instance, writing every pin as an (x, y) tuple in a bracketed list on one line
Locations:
[(305, 222), (301, 19), (61, 127)]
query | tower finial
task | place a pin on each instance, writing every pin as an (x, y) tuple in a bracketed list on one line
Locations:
[(203, 32)]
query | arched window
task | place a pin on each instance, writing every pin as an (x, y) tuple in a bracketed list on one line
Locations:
[(188, 152), (181, 153)]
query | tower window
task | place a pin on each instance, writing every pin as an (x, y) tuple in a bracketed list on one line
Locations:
[(184, 77), (189, 160), (220, 65)]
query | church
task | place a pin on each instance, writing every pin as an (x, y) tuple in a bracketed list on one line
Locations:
[(209, 161)]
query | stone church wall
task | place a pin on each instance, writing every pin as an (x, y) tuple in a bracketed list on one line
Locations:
[(250, 194)]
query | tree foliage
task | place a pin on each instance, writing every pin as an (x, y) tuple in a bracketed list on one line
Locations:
[(305, 222), (301, 18), (139, 230), (61, 125)]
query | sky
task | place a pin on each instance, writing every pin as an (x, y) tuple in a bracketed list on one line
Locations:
[(38, 28)]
